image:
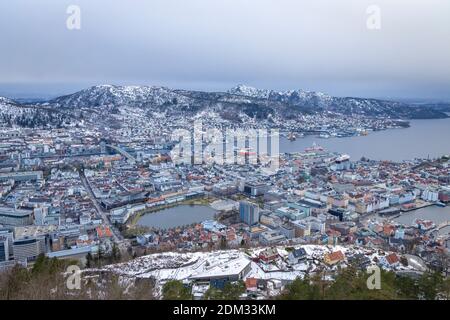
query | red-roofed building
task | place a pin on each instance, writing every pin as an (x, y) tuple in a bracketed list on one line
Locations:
[(251, 284), (334, 257), (392, 259), (268, 255), (103, 232), (388, 230)]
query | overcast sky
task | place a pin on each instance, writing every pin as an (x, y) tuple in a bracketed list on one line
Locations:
[(321, 45)]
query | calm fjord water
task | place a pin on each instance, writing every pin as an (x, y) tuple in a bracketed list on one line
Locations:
[(425, 138)]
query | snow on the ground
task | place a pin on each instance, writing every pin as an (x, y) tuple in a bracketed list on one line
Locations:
[(185, 266)]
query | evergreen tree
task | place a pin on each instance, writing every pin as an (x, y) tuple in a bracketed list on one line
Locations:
[(89, 260), (175, 290), (232, 291), (116, 256), (430, 283)]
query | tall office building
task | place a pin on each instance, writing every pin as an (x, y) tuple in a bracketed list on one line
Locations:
[(14, 217), (7, 233), (28, 249), (249, 212), (4, 248)]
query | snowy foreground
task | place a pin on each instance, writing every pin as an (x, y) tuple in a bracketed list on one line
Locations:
[(246, 263)]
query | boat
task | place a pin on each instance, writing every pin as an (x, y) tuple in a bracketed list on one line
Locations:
[(342, 158), (315, 147), (441, 204), (324, 135), (246, 152), (291, 136)]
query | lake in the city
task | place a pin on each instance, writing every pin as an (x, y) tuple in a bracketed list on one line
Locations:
[(425, 138), (177, 216)]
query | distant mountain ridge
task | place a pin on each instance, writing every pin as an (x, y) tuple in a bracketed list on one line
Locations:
[(283, 103), (231, 105), (343, 105), (286, 96)]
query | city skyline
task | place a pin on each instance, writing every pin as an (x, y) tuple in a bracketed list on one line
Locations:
[(243, 150)]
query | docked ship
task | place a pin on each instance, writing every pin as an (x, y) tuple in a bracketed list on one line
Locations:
[(440, 204), (314, 148), (246, 152)]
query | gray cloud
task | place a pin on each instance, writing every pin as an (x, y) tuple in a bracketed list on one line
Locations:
[(213, 44)]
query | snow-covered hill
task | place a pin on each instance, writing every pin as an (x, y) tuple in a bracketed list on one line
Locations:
[(191, 266), (109, 95), (249, 100), (13, 113), (319, 101), (241, 104)]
